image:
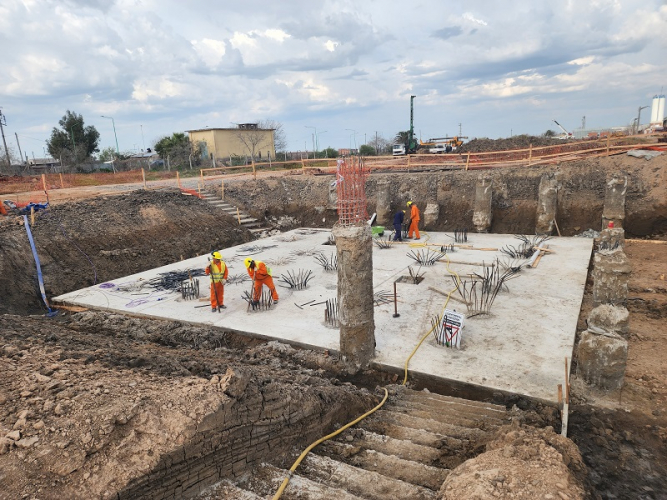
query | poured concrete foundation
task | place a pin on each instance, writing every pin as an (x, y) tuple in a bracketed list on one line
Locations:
[(518, 348), (482, 216), (547, 203), (614, 201)]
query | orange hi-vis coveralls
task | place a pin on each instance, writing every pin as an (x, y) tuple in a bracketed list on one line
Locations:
[(414, 221), (262, 276), (218, 272)]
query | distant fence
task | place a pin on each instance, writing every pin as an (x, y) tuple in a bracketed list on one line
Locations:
[(36, 187)]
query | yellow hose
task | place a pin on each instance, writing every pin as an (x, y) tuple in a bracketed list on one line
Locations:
[(359, 419), (321, 440)]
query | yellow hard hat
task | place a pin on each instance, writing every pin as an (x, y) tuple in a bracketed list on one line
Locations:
[(409, 203), (216, 255), (247, 261)]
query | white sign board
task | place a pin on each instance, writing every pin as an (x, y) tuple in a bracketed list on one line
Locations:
[(451, 329)]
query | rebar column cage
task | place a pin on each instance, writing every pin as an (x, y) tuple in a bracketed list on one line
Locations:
[(351, 190)]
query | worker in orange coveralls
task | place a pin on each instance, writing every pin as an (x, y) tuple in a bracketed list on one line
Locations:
[(414, 220), (218, 272), (261, 275)]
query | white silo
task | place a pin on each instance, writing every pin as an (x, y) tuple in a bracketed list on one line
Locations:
[(661, 109), (654, 109)]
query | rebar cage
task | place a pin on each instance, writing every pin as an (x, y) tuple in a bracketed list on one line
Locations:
[(351, 190)]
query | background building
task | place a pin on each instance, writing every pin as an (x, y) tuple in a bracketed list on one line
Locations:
[(246, 140)]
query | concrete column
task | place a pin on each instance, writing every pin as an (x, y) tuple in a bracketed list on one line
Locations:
[(333, 197), (611, 271), (612, 238), (602, 359), (614, 202), (547, 203), (354, 249), (482, 215), (431, 215), (609, 319), (383, 205)]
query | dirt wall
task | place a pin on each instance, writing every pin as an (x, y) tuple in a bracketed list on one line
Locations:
[(581, 194), (93, 241)]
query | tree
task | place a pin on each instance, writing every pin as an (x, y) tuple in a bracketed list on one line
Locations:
[(107, 154), (73, 142), (279, 137), (255, 139), (178, 149), (328, 153), (366, 150), (402, 137), (549, 133)]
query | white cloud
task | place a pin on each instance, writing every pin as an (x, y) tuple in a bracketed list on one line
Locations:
[(330, 45), (469, 17)]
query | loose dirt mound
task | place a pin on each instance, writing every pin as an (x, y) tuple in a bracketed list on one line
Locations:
[(80, 244), (91, 407), (521, 463)]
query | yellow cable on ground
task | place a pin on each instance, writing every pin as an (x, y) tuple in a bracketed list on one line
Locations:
[(370, 412), (407, 361), (321, 440)]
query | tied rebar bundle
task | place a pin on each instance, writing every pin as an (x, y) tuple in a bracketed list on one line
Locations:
[(330, 264), (235, 279), (280, 261), (416, 276), (264, 303), (526, 248), (425, 257), (296, 280), (461, 235), (190, 289), (447, 248), (172, 280), (383, 297), (480, 292), (331, 312), (443, 332), (382, 244), (608, 245), (331, 240)]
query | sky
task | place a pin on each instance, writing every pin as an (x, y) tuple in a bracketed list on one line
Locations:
[(344, 70)]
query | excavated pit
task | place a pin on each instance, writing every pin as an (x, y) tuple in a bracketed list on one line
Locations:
[(161, 377)]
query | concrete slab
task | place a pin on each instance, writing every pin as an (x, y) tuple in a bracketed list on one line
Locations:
[(519, 348)]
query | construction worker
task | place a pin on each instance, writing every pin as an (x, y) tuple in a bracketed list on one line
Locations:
[(414, 220), (261, 275), (218, 271), (398, 225)]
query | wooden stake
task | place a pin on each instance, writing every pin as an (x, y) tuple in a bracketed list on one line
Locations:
[(254, 172), (560, 399), (143, 176), (44, 182), (557, 228), (32, 215), (468, 161), (178, 179), (62, 184)]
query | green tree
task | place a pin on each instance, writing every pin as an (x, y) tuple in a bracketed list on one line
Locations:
[(402, 137), (328, 153), (178, 149), (73, 142), (107, 154), (550, 133), (366, 150)]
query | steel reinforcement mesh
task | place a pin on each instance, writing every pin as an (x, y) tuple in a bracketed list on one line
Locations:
[(351, 190)]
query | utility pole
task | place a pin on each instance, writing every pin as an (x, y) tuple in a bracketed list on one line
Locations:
[(144, 143), (3, 121), (19, 145)]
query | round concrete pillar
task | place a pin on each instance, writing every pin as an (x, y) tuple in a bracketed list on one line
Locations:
[(354, 248), (482, 215), (614, 202), (547, 202)]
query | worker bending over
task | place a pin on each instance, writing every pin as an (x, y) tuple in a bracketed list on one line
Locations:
[(218, 272), (261, 275), (414, 220), (398, 225)]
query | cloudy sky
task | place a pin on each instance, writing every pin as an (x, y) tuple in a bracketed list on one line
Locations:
[(486, 69)]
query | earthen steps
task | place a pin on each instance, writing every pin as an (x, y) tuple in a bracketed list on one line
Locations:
[(266, 479), (404, 450), (254, 225), (389, 465), (364, 483)]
